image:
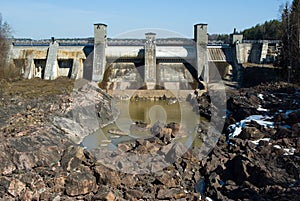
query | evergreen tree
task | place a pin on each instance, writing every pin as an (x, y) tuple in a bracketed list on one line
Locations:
[(285, 40), (270, 30), (290, 52)]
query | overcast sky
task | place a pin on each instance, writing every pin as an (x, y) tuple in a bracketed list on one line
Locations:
[(39, 19)]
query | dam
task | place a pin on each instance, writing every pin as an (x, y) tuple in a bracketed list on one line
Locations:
[(151, 63)]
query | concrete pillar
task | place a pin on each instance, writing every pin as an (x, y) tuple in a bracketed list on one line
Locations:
[(29, 69), (264, 51), (99, 62), (75, 69), (236, 38), (150, 61), (51, 69), (201, 39), (80, 71)]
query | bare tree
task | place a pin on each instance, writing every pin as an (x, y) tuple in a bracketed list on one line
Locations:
[(5, 33)]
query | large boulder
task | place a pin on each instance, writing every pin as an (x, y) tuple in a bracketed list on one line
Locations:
[(90, 110)]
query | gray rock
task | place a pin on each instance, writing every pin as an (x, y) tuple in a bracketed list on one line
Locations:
[(91, 110), (176, 151)]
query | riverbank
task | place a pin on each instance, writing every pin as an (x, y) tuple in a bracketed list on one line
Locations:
[(41, 160)]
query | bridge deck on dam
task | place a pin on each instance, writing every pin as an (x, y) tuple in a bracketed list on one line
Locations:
[(110, 42), (121, 49)]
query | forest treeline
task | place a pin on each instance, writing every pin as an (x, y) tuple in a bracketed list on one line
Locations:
[(286, 30), (270, 30)]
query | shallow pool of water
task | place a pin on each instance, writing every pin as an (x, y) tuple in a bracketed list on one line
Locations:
[(144, 111)]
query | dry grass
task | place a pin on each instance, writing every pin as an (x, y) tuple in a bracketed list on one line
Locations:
[(36, 87), (10, 72)]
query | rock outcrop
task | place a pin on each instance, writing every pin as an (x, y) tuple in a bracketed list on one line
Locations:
[(39, 161)]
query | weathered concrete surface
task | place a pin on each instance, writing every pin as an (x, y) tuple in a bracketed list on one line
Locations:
[(150, 76), (201, 39), (35, 60), (99, 60), (256, 53), (51, 63)]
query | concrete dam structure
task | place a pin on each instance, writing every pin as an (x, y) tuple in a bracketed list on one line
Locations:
[(150, 63)]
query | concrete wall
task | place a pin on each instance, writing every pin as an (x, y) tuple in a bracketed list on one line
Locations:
[(124, 51), (35, 57), (184, 52), (255, 52)]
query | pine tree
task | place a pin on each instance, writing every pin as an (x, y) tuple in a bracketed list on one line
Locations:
[(285, 40)]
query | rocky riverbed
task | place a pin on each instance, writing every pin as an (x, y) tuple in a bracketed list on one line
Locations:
[(256, 158)]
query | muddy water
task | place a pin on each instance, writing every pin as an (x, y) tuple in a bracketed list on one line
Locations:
[(145, 111)]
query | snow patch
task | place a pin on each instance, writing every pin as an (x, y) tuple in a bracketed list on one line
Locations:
[(277, 146), (256, 142), (208, 199), (260, 109), (236, 129), (260, 96), (289, 152)]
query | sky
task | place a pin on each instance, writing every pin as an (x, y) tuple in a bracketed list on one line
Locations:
[(42, 19)]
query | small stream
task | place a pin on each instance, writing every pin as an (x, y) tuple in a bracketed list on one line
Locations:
[(143, 111)]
